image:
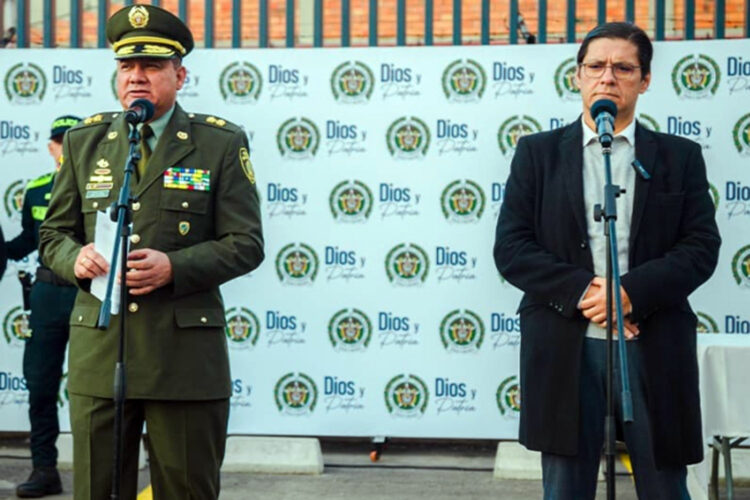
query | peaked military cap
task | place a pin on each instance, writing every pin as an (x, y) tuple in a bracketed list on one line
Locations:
[(61, 124), (148, 31)]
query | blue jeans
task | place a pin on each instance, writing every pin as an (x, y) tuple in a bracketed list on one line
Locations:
[(575, 478)]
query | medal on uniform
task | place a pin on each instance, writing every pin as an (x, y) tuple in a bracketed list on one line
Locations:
[(183, 227)]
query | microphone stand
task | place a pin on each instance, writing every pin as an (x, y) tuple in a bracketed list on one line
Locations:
[(120, 212), (608, 215)]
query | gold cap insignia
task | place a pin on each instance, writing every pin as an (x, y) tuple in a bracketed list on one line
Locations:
[(183, 227), (138, 17), (92, 119), (182, 135), (247, 165)]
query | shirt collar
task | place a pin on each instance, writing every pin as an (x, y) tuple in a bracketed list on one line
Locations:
[(628, 133), (158, 125)]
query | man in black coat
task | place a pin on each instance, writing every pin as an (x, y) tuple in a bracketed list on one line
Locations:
[(3, 256), (548, 245)]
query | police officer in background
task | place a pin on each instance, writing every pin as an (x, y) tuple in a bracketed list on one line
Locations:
[(195, 225), (51, 301)]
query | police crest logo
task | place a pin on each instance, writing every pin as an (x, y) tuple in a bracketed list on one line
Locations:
[(138, 17), (706, 323), (462, 331), (696, 76), (352, 82), (13, 198), (296, 394), (565, 82), (298, 139), (462, 201), (297, 264), (350, 330), (714, 195), (240, 83), (741, 267), (242, 327), (407, 264), (351, 201), (16, 326), (406, 396), (464, 80), (113, 85), (741, 135), (63, 397), (512, 129), (25, 83), (649, 122), (408, 138), (508, 397)]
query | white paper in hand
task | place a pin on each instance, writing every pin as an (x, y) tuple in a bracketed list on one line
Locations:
[(104, 241)]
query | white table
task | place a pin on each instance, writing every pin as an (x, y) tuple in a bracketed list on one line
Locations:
[(724, 362)]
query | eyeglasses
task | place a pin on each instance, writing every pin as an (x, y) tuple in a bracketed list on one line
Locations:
[(621, 71)]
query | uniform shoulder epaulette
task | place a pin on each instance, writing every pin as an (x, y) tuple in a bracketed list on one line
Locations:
[(97, 119), (42, 180), (213, 121)]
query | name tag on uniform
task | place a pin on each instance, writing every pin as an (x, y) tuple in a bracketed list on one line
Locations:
[(192, 179), (101, 193)]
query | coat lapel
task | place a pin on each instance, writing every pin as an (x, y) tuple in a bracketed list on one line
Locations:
[(175, 143), (571, 151), (645, 153)]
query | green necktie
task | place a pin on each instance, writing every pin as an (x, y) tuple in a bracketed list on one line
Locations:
[(146, 132)]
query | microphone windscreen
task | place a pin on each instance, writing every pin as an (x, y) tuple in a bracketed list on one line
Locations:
[(147, 107), (603, 105)]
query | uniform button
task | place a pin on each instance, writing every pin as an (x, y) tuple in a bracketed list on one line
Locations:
[(185, 204), (583, 244), (204, 319), (135, 239), (95, 204), (133, 307), (80, 318), (136, 206)]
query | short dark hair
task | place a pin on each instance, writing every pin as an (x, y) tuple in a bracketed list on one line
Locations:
[(625, 31)]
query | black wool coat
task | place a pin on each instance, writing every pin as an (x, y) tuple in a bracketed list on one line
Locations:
[(542, 248)]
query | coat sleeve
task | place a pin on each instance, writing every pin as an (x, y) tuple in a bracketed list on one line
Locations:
[(25, 243), (668, 280), (519, 256), (61, 234), (238, 246), (3, 257)]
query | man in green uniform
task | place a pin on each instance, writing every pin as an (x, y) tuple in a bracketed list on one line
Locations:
[(196, 224), (50, 301)]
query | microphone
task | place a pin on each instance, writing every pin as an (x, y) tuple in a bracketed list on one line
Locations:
[(604, 112), (140, 111)]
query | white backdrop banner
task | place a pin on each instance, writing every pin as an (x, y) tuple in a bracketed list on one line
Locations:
[(378, 309)]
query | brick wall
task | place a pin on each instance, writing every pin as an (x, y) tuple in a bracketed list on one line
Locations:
[(415, 15)]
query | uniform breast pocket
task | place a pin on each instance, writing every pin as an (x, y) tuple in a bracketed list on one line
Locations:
[(184, 218)]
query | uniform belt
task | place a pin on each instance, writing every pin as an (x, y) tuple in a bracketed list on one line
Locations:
[(47, 276)]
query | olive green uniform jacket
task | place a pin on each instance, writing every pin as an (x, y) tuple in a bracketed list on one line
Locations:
[(175, 344)]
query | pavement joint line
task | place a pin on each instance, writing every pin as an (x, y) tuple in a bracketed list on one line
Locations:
[(412, 467)]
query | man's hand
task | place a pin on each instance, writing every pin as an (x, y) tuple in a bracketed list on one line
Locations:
[(89, 264), (147, 270), (594, 306)]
